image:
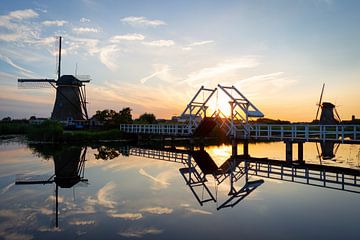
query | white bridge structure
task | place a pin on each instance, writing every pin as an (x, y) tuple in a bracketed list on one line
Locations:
[(240, 125)]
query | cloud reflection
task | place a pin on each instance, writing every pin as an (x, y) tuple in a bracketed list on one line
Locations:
[(138, 233), (157, 210), (127, 216), (103, 195)]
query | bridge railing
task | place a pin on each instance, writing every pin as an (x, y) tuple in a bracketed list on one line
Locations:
[(159, 129), (305, 132)]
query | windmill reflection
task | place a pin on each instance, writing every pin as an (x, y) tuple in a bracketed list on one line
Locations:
[(69, 169)]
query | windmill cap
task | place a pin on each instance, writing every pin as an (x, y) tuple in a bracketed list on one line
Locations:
[(328, 104), (68, 80)]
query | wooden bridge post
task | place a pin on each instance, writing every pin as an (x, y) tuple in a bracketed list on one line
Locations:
[(300, 151), (234, 152), (246, 148), (289, 151)]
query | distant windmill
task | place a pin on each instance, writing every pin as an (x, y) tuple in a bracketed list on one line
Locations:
[(70, 102), (327, 111)]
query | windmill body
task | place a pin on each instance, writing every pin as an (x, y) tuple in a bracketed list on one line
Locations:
[(69, 103)]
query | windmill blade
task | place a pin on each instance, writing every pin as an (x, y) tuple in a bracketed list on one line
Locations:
[(337, 114), (22, 179), (35, 83), (319, 104), (318, 152)]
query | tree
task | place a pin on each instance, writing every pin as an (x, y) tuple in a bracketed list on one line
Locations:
[(112, 119), (147, 118)]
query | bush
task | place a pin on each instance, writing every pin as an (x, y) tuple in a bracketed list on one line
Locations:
[(48, 131), (13, 128)]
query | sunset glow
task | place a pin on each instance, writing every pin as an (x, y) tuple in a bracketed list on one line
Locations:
[(278, 53)]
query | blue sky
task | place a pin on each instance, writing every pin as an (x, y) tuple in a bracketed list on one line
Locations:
[(154, 55)]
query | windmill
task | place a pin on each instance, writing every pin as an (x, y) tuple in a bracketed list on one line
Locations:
[(70, 102), (329, 114)]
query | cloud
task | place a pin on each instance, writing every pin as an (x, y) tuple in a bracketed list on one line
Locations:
[(85, 30), (157, 210), (162, 72), (127, 37), (160, 43), (222, 69), (84, 20), (127, 216), (199, 211), (23, 14), (82, 222), (138, 233), (270, 83), (17, 28), (200, 43), (104, 194), (11, 63), (160, 181), (57, 23), (7, 188), (108, 56), (142, 21)]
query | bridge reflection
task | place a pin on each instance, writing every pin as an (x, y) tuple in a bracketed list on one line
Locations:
[(243, 174), (225, 185)]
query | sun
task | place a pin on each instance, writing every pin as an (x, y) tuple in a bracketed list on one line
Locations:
[(219, 104)]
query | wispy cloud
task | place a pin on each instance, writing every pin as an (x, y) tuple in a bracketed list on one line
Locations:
[(82, 222), (222, 69), (104, 194), (200, 43), (269, 83), (127, 37), (162, 72), (138, 233), (84, 20), (142, 21), (57, 23), (160, 43), (11, 63), (108, 56), (127, 216), (16, 28), (85, 30), (158, 180), (23, 14), (157, 210)]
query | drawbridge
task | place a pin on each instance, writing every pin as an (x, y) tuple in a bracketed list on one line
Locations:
[(198, 120)]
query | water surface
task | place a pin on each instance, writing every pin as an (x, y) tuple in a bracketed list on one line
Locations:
[(131, 197)]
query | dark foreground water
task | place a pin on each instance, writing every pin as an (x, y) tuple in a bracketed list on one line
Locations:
[(108, 193)]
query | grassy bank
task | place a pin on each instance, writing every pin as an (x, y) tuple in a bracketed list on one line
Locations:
[(52, 131)]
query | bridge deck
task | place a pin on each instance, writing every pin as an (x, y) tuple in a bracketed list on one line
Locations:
[(305, 132), (281, 132)]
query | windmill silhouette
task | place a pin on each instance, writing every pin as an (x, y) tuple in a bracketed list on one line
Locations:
[(329, 114), (69, 170), (70, 102)]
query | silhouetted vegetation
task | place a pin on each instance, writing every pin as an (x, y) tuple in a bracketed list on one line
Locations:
[(111, 119), (13, 127), (47, 131), (146, 118)]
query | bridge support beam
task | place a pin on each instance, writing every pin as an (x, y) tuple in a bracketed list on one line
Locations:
[(246, 148), (289, 151), (301, 151), (234, 145)]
